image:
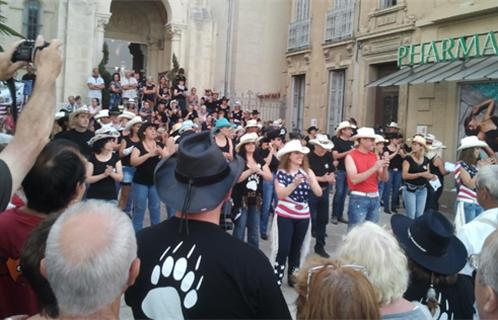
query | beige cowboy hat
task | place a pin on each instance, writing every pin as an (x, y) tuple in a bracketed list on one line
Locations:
[(322, 141), (247, 138), (364, 132), (127, 114), (380, 139), (292, 146), (132, 122), (253, 124), (420, 140), (103, 133), (102, 114), (79, 111), (471, 142), (343, 125)]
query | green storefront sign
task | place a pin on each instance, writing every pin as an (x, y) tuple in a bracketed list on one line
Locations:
[(449, 49)]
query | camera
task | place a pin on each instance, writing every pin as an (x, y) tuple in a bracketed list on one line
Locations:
[(26, 51)]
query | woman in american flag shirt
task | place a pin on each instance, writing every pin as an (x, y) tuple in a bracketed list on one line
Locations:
[(294, 180)]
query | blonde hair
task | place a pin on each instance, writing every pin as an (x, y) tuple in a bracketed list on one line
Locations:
[(333, 291), (375, 248)]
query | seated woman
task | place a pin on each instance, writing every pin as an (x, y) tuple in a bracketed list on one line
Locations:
[(330, 290), (376, 249)]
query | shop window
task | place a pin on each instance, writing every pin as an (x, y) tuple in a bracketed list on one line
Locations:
[(388, 3), (339, 25), (298, 91), (32, 18), (336, 99)]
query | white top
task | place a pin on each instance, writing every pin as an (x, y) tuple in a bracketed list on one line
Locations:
[(130, 93), (95, 93), (474, 233)]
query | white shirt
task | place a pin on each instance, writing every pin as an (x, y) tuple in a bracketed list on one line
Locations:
[(130, 93), (474, 233), (95, 93)]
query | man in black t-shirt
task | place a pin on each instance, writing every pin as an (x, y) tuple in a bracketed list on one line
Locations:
[(79, 134), (342, 146), (191, 268), (321, 163)]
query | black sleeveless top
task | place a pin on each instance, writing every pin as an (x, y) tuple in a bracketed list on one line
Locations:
[(104, 189), (417, 168), (226, 147), (491, 136), (126, 159), (145, 172)]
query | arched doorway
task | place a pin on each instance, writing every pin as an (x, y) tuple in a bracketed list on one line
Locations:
[(137, 38)]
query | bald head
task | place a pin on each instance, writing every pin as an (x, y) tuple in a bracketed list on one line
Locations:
[(89, 252)]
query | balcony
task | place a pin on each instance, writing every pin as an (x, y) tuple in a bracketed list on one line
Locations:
[(299, 35)]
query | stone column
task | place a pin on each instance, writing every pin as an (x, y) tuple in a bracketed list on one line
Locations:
[(101, 19), (176, 34)]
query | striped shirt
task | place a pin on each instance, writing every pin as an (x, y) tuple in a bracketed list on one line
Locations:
[(465, 194), (295, 205)]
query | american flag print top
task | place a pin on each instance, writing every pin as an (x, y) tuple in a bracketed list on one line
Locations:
[(294, 206), (465, 193)]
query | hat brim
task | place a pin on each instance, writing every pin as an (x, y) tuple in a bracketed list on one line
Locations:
[(341, 128), (355, 137), (474, 145), (203, 198), (450, 263), (131, 123), (282, 152), (328, 146)]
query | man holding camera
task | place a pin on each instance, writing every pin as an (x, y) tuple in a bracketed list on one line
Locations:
[(36, 120)]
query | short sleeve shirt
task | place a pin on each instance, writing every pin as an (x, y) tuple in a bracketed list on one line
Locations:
[(130, 93), (5, 185), (95, 93), (342, 146)]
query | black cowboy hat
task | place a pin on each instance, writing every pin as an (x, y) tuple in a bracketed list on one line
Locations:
[(198, 177), (255, 111), (273, 134), (311, 129), (429, 240)]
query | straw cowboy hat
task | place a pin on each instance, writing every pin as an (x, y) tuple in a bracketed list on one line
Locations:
[(364, 132), (132, 122), (322, 141), (198, 177), (127, 114), (104, 133), (420, 140), (380, 139), (292, 146), (102, 114), (247, 138), (471, 142), (343, 125), (79, 111), (253, 124)]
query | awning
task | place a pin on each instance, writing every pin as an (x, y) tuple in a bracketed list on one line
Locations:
[(460, 70)]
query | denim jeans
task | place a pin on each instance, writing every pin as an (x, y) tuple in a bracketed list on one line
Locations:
[(170, 211), (319, 209), (341, 189), (249, 218), (472, 210), (414, 202), (391, 189), (381, 185), (114, 101), (362, 208), (291, 234), (269, 196), (142, 194)]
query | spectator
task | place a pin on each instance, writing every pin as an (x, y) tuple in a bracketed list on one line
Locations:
[(79, 134), (95, 85), (180, 94), (35, 123), (218, 267), (222, 131), (390, 197), (192, 98), (88, 280), (71, 104), (372, 247), (164, 94), (56, 179), (150, 92), (129, 85), (486, 289), (436, 167), (116, 90), (312, 132), (330, 290), (29, 81), (95, 106)]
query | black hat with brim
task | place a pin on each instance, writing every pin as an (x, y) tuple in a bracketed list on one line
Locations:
[(430, 242), (201, 162)]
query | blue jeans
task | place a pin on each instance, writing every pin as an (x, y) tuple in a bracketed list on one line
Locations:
[(341, 189), (392, 187), (141, 194), (415, 202), (362, 208), (114, 101), (269, 196), (319, 210), (249, 218), (472, 210), (170, 211), (381, 185)]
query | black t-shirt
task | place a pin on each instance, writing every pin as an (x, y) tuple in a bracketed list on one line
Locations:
[(125, 161), (321, 165), (5, 185), (274, 161), (205, 274), (417, 168), (396, 162), (80, 138), (104, 189), (249, 189), (237, 115), (145, 172), (341, 146)]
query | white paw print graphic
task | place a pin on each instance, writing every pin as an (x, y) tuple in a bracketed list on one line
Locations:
[(167, 302)]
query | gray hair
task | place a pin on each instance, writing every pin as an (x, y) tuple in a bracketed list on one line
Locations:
[(88, 256), (488, 261), (488, 178)]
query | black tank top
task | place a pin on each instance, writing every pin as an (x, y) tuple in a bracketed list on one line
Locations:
[(226, 147)]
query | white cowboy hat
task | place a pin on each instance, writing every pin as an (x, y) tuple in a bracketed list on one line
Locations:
[(239, 129), (252, 124), (420, 140), (60, 115), (247, 138), (471, 142), (175, 128), (127, 114), (380, 139), (343, 125), (322, 141), (102, 114), (132, 122), (103, 133), (292, 146), (79, 111), (393, 125), (364, 132), (436, 145), (277, 123)]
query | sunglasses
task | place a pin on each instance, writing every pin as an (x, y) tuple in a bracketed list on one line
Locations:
[(315, 269)]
